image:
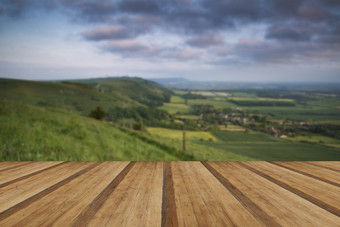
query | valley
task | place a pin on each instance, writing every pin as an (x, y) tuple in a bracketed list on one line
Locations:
[(145, 121)]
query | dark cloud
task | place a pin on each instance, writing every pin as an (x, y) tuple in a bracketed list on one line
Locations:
[(139, 6), (127, 47), (205, 40), (234, 10), (257, 51), (135, 49), (90, 10), (106, 33), (295, 29), (313, 12), (289, 32)]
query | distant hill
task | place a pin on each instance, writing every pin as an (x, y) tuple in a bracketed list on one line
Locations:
[(142, 91), (185, 84), (84, 95)]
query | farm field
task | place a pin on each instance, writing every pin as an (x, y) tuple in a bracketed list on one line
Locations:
[(144, 121), (215, 103), (174, 108), (221, 145)]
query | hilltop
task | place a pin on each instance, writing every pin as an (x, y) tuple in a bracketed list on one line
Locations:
[(114, 95)]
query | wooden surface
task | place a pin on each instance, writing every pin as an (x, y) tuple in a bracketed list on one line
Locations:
[(169, 193)]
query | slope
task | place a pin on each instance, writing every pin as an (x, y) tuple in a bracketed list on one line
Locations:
[(44, 133)]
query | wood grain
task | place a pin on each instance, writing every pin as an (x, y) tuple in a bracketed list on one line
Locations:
[(131, 203), (258, 213), (169, 194), (169, 216), (16, 193), (285, 207), (316, 172), (306, 187), (335, 166), (62, 206), (12, 165)]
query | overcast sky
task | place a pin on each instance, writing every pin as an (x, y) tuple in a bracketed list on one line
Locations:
[(230, 40)]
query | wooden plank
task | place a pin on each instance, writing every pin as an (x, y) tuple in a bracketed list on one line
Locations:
[(11, 165), (304, 186), (137, 201), (169, 216), (332, 165), (322, 174), (285, 207), (88, 212), (15, 193), (169, 194), (209, 201), (62, 206), (23, 169), (258, 213), (25, 172)]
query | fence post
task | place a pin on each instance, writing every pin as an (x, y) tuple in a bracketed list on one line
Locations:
[(184, 141)]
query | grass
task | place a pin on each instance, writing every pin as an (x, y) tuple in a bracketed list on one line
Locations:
[(40, 134), (198, 144), (175, 108), (259, 99), (332, 122), (299, 112), (317, 139), (241, 146), (178, 134), (204, 93), (215, 103), (191, 117), (177, 99), (232, 128)]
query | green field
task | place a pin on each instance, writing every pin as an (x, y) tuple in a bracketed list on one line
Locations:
[(215, 103), (191, 117), (177, 99), (46, 121), (226, 146), (299, 112), (174, 108)]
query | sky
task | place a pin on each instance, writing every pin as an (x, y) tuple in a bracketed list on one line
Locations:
[(220, 40)]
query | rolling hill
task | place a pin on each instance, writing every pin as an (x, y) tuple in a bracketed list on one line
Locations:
[(83, 96), (46, 133)]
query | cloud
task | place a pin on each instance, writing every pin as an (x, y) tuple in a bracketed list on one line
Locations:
[(106, 33), (292, 30), (288, 32), (139, 6), (205, 40)]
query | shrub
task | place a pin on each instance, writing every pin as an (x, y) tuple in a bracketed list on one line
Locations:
[(97, 113)]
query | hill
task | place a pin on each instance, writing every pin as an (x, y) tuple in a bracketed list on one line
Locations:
[(115, 95), (45, 133), (142, 91)]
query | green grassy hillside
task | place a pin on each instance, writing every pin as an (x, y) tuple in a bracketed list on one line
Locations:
[(44, 133), (142, 91), (85, 96)]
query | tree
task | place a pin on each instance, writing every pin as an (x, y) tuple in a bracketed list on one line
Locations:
[(97, 113)]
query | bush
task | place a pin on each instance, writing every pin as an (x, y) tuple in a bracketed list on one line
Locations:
[(97, 113)]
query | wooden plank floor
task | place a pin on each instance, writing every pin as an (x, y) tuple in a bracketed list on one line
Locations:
[(169, 193)]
